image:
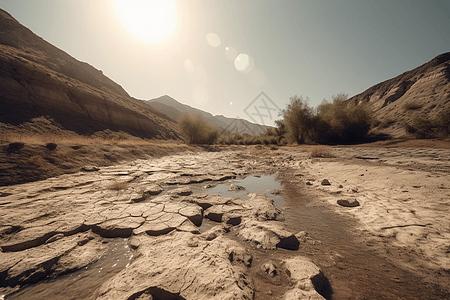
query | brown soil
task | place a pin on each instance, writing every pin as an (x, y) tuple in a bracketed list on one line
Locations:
[(23, 162)]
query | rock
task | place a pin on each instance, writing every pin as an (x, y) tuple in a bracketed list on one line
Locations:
[(267, 235), (214, 232), (309, 183), (193, 213), (238, 254), (308, 279), (177, 271), (153, 190), (118, 227), (206, 201), (60, 256), (270, 269), (348, 203), (90, 168), (184, 191), (325, 182), (275, 192), (216, 212), (235, 187), (55, 238)]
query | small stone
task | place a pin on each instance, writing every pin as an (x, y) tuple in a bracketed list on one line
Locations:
[(235, 187), (308, 183), (340, 186), (348, 203), (325, 182), (90, 168), (270, 269), (55, 237), (275, 192), (153, 190)]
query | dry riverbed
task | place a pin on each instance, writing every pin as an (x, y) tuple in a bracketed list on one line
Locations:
[(247, 223)]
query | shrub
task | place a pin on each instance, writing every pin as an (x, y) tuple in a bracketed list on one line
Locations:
[(298, 119), (51, 146), (385, 123), (428, 128), (342, 122), (411, 106), (322, 152), (117, 186), (16, 146), (196, 131)]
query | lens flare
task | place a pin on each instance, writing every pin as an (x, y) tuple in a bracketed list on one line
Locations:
[(213, 39)]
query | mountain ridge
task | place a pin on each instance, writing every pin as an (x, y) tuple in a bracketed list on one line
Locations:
[(40, 80), (424, 91), (174, 109)]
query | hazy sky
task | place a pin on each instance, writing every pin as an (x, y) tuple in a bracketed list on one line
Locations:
[(310, 48)]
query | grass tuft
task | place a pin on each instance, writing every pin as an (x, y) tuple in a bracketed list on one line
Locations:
[(117, 186), (322, 152)]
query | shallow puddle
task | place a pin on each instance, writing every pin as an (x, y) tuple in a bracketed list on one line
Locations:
[(84, 283), (252, 184)]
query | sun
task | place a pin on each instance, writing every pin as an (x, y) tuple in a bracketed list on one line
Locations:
[(149, 20)]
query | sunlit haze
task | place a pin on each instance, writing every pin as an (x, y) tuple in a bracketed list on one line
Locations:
[(151, 21), (219, 55)]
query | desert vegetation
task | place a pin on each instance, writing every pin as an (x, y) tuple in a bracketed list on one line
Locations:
[(336, 122), (196, 130), (322, 152), (424, 127)]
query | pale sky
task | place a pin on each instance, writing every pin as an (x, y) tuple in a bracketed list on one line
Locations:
[(312, 48)]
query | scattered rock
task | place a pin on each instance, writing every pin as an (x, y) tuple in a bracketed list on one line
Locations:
[(325, 182), (184, 191), (90, 168), (153, 190), (267, 235), (348, 203), (235, 187), (270, 269), (51, 146), (275, 192), (311, 283)]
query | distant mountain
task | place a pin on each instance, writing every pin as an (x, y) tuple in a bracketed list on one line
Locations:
[(174, 109), (39, 80), (423, 91)]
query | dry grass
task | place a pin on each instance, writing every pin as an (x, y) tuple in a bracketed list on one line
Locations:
[(411, 106), (7, 138), (117, 186), (322, 152)]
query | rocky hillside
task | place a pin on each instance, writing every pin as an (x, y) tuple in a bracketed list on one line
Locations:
[(423, 91), (174, 109), (37, 79)]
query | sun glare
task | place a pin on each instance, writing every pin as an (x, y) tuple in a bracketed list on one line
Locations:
[(149, 20)]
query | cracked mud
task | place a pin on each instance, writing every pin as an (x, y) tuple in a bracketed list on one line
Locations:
[(214, 225)]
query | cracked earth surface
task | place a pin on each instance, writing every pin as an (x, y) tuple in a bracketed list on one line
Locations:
[(179, 242)]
